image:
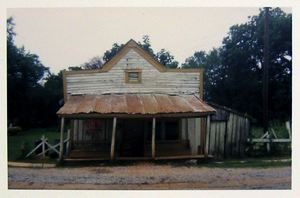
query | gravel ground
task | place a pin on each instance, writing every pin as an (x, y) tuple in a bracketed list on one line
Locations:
[(147, 175)]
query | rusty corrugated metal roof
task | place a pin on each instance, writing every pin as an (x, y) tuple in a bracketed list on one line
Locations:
[(134, 104)]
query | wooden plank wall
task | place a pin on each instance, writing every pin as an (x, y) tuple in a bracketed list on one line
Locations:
[(227, 139), (153, 81), (216, 143), (193, 131), (80, 137)]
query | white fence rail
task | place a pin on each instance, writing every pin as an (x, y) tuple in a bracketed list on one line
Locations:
[(271, 137), (50, 147)]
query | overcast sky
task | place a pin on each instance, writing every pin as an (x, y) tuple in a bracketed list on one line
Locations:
[(64, 37)]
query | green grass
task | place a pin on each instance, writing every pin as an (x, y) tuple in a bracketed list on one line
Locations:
[(264, 162), (250, 163), (278, 149), (279, 128), (15, 142)]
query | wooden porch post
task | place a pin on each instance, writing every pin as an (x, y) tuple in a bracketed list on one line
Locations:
[(207, 136), (61, 148), (153, 138), (68, 142), (113, 139), (163, 130)]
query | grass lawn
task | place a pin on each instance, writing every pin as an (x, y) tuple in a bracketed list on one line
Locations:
[(260, 162), (278, 149), (251, 163), (278, 127), (15, 142)]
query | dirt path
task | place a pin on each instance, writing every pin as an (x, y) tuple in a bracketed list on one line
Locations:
[(149, 176)]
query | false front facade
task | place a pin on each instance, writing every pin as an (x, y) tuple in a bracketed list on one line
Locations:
[(135, 108)]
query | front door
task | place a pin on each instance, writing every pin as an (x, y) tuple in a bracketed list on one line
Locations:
[(132, 141)]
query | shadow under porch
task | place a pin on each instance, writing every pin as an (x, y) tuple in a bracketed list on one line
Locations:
[(174, 138)]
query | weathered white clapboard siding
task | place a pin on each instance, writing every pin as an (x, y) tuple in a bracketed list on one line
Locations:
[(153, 81)]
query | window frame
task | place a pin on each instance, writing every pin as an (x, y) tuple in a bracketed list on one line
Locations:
[(138, 71)]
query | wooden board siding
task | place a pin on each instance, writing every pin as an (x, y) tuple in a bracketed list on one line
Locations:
[(230, 135), (216, 142), (153, 81), (194, 131), (191, 133), (197, 134), (227, 138), (82, 138)]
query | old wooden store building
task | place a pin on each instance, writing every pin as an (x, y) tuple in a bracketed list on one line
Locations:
[(136, 108)]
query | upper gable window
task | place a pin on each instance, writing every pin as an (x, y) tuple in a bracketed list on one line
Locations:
[(133, 76)]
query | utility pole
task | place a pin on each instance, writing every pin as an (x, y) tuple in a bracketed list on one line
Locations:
[(266, 75)]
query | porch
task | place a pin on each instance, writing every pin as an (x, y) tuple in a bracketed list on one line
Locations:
[(177, 134), (91, 139)]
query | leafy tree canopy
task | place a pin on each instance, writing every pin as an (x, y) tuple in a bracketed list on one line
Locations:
[(108, 54), (163, 56), (93, 63), (195, 61), (166, 59), (25, 73), (146, 45), (233, 72)]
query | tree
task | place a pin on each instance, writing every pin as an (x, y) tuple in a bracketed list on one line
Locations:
[(93, 63), (195, 61), (211, 61), (10, 30), (108, 54), (74, 68), (212, 74), (242, 58), (166, 59), (233, 73), (24, 74), (163, 56), (146, 45), (53, 94)]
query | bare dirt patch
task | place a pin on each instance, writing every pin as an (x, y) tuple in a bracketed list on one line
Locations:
[(149, 176), (101, 170)]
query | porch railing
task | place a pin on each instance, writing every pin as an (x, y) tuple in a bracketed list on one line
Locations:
[(54, 148)]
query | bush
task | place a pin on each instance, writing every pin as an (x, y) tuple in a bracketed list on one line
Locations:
[(277, 149), (13, 130), (25, 149)]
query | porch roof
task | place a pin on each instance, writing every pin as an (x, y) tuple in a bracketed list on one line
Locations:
[(143, 105)]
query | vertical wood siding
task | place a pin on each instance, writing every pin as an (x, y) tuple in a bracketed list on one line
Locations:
[(81, 136), (227, 138), (230, 135)]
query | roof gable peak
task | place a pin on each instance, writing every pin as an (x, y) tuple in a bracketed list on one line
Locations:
[(132, 44)]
